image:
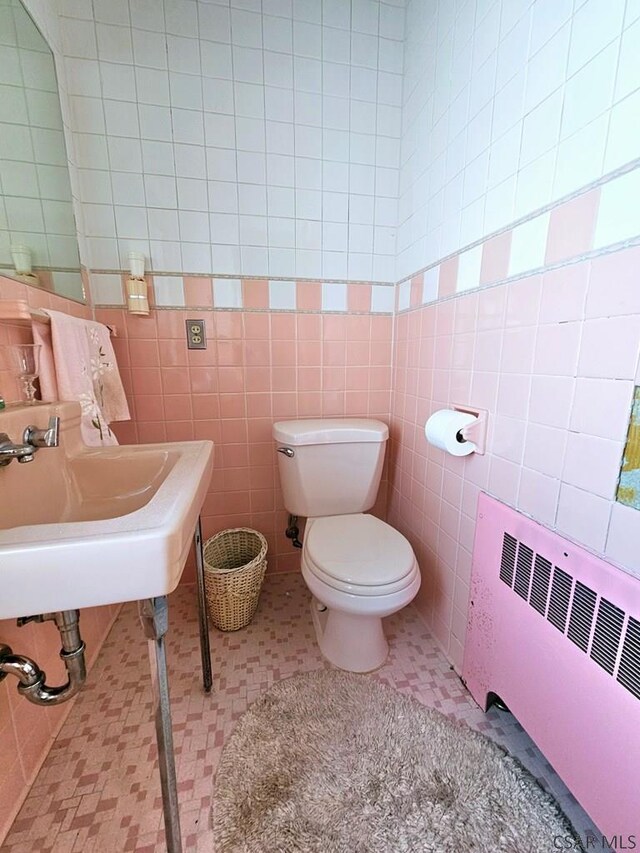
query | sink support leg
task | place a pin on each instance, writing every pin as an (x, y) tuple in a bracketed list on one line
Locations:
[(154, 615), (205, 649)]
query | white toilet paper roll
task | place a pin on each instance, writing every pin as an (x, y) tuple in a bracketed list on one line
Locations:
[(442, 430)]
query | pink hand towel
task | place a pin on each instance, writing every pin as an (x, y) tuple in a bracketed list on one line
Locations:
[(77, 362)]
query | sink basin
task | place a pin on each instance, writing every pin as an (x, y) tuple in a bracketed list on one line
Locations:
[(81, 526)]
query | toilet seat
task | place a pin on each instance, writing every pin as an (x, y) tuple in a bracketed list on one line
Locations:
[(359, 554)]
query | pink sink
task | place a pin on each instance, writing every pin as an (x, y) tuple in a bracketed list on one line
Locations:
[(84, 526)]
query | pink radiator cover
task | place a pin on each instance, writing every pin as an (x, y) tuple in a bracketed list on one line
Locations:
[(584, 721)]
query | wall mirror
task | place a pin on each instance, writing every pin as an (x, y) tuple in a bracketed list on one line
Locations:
[(38, 242)]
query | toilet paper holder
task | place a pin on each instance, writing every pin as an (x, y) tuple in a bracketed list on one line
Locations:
[(476, 431)]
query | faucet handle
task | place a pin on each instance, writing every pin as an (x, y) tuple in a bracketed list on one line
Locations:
[(49, 437), (53, 431)]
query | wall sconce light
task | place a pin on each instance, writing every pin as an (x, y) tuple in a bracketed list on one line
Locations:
[(21, 256), (137, 298)]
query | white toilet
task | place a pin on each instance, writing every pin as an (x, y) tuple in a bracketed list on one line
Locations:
[(358, 568)]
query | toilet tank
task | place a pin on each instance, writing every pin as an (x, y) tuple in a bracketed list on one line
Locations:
[(330, 466)]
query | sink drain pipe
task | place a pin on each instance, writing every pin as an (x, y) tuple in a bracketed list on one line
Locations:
[(33, 679)]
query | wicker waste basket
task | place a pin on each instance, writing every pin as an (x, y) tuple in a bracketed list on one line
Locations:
[(234, 565)]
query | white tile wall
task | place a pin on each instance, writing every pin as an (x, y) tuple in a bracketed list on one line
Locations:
[(273, 128), (404, 295), (282, 295), (619, 211), (227, 293), (334, 296), (469, 269), (430, 284), (507, 107), (278, 129), (168, 291), (382, 299), (528, 245)]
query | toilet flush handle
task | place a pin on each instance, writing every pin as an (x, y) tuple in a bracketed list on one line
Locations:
[(288, 451)]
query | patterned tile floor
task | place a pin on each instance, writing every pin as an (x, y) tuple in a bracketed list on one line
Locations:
[(99, 788)]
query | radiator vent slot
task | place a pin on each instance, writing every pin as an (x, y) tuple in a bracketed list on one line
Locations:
[(548, 590), (606, 637), (581, 619), (559, 601), (523, 571), (540, 584), (629, 669), (508, 561)]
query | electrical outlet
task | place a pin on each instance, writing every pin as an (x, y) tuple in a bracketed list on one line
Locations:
[(196, 337)]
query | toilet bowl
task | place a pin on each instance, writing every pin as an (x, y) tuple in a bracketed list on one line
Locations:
[(358, 568)]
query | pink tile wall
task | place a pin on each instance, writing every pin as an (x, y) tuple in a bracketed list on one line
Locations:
[(26, 731), (259, 367), (554, 358)]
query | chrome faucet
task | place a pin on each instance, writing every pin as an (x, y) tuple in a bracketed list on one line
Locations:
[(32, 439), (48, 437)]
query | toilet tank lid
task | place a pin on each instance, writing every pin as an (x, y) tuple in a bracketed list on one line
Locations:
[(330, 431)]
